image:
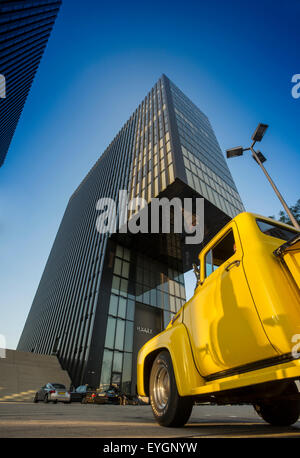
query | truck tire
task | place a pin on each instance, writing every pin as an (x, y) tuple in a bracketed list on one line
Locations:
[(168, 407), (280, 412)]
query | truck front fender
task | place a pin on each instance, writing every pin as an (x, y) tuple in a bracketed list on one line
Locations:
[(176, 341)]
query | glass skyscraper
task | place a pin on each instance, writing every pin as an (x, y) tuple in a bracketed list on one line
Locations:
[(25, 26), (102, 296)]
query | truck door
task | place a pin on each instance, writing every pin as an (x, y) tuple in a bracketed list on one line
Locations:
[(224, 326)]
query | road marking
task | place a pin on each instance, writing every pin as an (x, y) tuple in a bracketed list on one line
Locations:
[(246, 436), (72, 423)]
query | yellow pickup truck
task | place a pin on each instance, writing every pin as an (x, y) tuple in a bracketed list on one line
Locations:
[(236, 340)]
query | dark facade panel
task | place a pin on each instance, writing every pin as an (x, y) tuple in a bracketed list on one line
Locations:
[(25, 27)]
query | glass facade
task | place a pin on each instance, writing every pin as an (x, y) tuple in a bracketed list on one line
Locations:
[(25, 27), (100, 296), (205, 166), (152, 167), (117, 359), (154, 284)]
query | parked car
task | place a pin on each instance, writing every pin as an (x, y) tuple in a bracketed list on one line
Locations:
[(110, 396), (52, 392), (79, 394)]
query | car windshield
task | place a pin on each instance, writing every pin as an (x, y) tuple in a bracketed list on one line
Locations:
[(276, 230), (58, 386)]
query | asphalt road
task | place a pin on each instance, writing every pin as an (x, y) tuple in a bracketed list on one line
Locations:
[(19, 420)]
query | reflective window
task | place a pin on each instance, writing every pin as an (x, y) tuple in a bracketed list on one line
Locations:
[(118, 266), (119, 251), (118, 359), (113, 305), (275, 230), (106, 367), (122, 307), (222, 251), (110, 332), (129, 336), (130, 310), (126, 376), (115, 284), (119, 342), (123, 287)]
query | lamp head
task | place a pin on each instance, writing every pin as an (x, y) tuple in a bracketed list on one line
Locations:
[(234, 152), (259, 132)]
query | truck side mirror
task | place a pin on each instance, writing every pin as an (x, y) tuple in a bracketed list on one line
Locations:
[(196, 271)]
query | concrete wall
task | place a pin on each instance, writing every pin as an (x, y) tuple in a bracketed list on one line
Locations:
[(22, 374)]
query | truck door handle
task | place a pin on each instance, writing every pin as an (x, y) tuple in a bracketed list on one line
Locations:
[(233, 263)]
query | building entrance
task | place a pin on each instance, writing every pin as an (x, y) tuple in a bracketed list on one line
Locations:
[(148, 322)]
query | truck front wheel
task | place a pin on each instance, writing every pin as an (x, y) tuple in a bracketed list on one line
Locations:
[(280, 412), (168, 407)]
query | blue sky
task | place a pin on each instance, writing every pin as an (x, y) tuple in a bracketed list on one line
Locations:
[(234, 59)]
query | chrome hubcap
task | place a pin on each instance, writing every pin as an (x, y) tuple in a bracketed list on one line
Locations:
[(161, 387)]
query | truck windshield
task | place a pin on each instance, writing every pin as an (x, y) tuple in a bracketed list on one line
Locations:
[(275, 230)]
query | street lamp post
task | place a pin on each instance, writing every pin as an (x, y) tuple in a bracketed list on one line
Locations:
[(259, 158)]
